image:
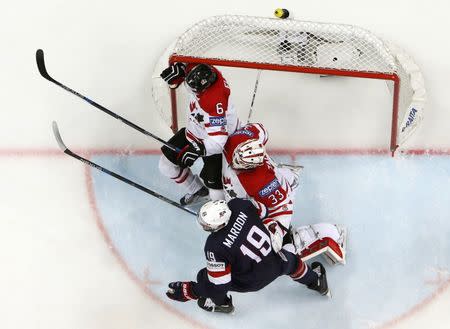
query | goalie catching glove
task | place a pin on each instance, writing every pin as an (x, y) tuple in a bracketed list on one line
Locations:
[(188, 154), (174, 75), (276, 233)]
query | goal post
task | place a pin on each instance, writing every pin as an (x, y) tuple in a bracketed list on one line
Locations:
[(304, 47)]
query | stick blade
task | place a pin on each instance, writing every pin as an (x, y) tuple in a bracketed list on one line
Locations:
[(41, 64), (58, 138)]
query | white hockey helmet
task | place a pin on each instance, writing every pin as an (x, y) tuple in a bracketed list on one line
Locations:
[(248, 154), (214, 215)]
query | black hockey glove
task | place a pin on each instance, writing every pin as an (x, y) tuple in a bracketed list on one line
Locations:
[(174, 75), (181, 291), (188, 154)]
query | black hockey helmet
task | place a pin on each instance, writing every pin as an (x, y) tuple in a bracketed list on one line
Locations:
[(201, 77)]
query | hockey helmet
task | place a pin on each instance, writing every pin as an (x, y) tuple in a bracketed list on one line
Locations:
[(249, 154), (214, 215), (201, 77)]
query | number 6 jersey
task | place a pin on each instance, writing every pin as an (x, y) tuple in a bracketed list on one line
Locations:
[(211, 115)]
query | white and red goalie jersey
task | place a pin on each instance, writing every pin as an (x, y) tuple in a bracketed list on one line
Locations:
[(265, 184), (211, 116), (270, 188)]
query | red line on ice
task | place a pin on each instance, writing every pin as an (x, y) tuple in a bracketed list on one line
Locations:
[(42, 152)]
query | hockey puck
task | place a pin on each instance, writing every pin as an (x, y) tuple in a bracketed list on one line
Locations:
[(281, 13)]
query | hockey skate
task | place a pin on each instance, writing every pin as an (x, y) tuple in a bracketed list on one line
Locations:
[(195, 197), (321, 286), (208, 305)]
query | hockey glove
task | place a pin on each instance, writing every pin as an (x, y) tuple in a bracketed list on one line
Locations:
[(174, 75), (276, 234), (188, 154), (181, 291)]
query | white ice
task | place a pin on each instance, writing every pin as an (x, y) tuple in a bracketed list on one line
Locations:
[(59, 271)]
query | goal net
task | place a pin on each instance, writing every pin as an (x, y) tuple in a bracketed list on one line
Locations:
[(299, 47)]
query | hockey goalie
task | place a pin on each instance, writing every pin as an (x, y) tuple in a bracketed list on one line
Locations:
[(249, 173)]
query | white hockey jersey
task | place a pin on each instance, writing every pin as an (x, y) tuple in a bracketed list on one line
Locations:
[(211, 116)]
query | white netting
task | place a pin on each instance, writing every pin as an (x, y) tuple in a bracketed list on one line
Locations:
[(160, 89), (412, 94), (292, 42), (252, 41)]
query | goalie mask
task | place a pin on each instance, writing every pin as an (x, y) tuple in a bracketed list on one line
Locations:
[(214, 215), (201, 77), (249, 154)]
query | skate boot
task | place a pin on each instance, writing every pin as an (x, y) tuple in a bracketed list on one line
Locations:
[(208, 305), (321, 285), (195, 197)]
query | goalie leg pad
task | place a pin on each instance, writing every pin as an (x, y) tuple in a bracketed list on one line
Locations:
[(324, 239)]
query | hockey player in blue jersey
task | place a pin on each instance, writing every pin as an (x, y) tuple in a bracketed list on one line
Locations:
[(239, 257)]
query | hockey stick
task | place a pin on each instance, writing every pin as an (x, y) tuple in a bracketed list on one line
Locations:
[(43, 71), (254, 95), (64, 148)]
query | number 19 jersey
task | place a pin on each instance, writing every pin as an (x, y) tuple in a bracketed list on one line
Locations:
[(239, 256)]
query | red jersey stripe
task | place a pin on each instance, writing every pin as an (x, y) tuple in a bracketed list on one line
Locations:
[(221, 273), (215, 133)]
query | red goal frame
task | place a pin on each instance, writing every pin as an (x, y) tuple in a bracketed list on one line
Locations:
[(299, 69)]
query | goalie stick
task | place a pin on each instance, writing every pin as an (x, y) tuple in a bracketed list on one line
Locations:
[(66, 150), (43, 71)]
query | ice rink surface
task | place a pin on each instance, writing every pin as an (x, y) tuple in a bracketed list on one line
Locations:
[(397, 239), (83, 251)]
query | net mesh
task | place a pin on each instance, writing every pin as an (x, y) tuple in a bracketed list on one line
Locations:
[(286, 42)]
